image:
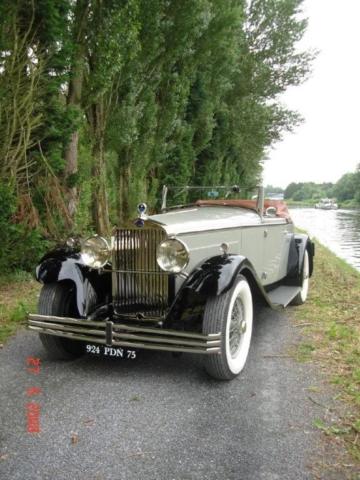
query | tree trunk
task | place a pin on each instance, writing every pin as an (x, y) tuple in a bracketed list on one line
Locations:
[(71, 168), (100, 207), (124, 190), (99, 197), (74, 101)]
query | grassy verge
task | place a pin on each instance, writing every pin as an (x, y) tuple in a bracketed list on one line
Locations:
[(18, 295), (330, 321)]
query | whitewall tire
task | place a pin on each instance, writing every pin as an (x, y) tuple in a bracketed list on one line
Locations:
[(231, 314), (302, 295)]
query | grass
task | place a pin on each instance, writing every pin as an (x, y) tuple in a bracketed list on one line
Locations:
[(330, 321), (18, 295)]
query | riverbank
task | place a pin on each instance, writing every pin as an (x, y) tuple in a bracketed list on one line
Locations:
[(347, 204), (18, 295), (330, 326)]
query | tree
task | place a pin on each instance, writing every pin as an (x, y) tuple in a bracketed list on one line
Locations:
[(357, 184), (74, 98), (105, 101), (346, 187), (111, 37)]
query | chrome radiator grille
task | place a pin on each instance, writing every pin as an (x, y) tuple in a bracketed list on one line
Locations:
[(140, 287)]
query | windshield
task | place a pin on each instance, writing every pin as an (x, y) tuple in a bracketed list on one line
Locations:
[(177, 197)]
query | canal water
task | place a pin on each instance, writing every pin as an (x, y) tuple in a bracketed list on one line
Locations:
[(339, 230)]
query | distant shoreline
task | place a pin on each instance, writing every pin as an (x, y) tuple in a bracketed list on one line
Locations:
[(294, 204)]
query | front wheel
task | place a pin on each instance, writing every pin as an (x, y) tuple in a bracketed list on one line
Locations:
[(59, 299), (231, 314)]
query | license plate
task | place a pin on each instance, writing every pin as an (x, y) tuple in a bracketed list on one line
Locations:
[(115, 352)]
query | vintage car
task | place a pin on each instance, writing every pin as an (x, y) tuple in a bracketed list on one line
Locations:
[(182, 280)]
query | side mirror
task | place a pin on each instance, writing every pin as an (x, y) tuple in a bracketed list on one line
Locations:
[(271, 212)]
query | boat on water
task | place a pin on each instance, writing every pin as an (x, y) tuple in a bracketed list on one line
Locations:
[(327, 204)]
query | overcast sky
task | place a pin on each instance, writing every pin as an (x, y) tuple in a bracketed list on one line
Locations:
[(327, 144)]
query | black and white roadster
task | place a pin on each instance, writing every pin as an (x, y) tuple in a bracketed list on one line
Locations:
[(182, 280)]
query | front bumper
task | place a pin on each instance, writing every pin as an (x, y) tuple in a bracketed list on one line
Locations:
[(122, 335)]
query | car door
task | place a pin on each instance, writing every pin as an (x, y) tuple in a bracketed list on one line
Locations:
[(275, 248)]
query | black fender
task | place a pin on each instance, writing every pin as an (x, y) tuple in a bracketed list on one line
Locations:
[(299, 243), (217, 274), (214, 277), (63, 264)]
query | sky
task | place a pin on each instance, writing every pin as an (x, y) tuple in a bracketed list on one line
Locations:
[(327, 144)]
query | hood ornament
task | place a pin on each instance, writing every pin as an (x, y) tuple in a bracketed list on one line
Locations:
[(141, 208), (140, 221)]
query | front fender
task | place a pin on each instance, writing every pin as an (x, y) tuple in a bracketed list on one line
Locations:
[(64, 264), (212, 278), (216, 275)]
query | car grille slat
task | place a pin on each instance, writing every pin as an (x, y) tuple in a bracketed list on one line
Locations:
[(140, 287)]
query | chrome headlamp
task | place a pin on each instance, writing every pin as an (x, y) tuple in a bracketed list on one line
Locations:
[(172, 255), (95, 252)]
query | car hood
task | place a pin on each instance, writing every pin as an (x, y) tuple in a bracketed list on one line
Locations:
[(204, 218)]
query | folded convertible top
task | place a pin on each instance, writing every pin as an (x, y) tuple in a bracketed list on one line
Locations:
[(281, 207)]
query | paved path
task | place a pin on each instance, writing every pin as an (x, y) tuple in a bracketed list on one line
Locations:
[(159, 417)]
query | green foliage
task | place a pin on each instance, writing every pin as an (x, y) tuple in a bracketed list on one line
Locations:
[(308, 191), (348, 187), (346, 190), (127, 95), (272, 189), (201, 117), (18, 295), (20, 245)]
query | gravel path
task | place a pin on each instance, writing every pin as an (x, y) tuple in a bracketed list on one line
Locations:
[(159, 417)]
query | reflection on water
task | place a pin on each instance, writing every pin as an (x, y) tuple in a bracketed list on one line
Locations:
[(339, 230)]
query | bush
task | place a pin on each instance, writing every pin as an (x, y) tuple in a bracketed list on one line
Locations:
[(20, 246)]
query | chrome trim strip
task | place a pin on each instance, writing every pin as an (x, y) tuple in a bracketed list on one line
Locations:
[(176, 333), (117, 326), (153, 339), (66, 328), (74, 321), (126, 336), (170, 348)]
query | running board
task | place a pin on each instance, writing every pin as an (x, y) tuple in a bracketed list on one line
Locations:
[(282, 296)]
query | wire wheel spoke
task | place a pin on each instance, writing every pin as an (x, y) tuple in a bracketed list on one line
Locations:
[(237, 326)]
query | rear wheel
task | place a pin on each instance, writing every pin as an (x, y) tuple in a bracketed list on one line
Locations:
[(231, 314), (302, 295), (59, 299)]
